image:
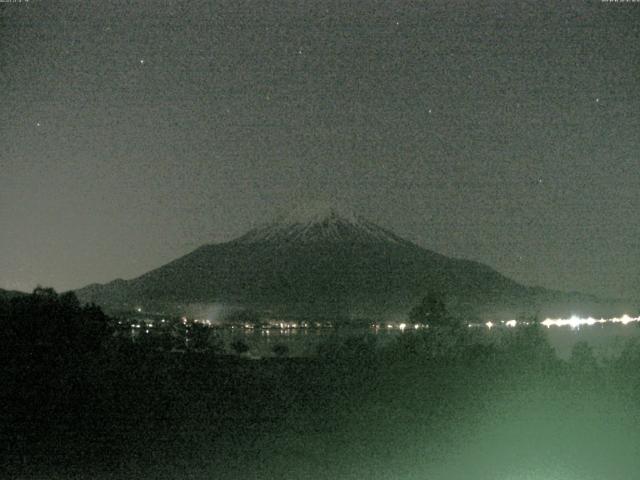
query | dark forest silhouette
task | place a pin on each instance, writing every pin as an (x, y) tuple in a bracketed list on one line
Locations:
[(76, 395)]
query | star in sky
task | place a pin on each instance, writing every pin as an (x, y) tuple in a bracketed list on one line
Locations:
[(356, 102)]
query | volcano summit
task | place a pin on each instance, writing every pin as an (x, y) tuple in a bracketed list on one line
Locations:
[(323, 263)]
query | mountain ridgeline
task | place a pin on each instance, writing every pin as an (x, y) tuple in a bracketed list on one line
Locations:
[(327, 265)]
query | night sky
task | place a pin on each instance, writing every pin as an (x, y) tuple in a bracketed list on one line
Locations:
[(132, 132)]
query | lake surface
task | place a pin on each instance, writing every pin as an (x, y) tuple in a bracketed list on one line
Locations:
[(606, 339)]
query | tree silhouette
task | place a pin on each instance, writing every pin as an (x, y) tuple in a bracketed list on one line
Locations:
[(56, 323), (430, 311), (215, 344), (198, 335), (52, 347), (239, 346), (529, 346), (583, 360), (280, 350)]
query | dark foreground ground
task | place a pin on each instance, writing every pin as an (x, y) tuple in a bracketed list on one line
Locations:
[(422, 408)]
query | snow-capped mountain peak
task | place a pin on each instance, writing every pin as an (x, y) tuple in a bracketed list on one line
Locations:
[(316, 214), (320, 223)]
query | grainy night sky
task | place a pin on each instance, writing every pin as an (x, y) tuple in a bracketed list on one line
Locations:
[(132, 132)]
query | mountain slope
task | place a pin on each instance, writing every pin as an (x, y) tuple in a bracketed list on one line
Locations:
[(321, 263)]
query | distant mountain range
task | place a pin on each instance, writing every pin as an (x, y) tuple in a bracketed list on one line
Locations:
[(322, 263)]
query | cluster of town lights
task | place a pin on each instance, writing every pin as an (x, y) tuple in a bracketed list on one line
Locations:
[(573, 322)]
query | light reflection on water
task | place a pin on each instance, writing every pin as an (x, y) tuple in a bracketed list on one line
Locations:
[(607, 339), (300, 341)]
